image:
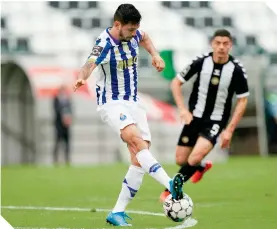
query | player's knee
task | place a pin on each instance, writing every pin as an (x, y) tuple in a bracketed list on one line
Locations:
[(138, 143), (135, 143), (131, 136), (182, 154), (195, 159), (180, 160)]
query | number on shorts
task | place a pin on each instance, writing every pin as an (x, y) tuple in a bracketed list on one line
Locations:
[(214, 129)]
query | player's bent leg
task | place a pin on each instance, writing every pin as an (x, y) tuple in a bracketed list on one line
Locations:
[(202, 148), (134, 160), (131, 135), (182, 154), (130, 186), (132, 181)]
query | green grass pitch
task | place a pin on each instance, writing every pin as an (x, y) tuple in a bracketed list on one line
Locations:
[(241, 194)]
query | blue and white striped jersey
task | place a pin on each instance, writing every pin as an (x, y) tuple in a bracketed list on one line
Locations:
[(118, 65)]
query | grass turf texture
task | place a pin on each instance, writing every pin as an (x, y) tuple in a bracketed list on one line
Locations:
[(239, 194)]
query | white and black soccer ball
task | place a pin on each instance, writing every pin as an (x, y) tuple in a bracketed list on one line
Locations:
[(178, 210)]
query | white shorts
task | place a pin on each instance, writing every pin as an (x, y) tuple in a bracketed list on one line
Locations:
[(120, 113)]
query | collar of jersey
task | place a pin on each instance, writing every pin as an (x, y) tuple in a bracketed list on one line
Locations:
[(117, 42)]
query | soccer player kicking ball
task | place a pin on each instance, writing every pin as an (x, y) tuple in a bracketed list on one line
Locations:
[(116, 54), (216, 77)]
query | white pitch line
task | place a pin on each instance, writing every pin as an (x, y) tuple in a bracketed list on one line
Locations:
[(76, 209), (207, 205), (53, 228), (188, 223)]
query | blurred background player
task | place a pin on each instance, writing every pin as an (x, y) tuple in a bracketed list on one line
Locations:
[(218, 75), (63, 119), (116, 54)]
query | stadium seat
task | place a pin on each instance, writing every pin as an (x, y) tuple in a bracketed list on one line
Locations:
[(22, 44), (208, 22), (76, 22), (273, 59), (3, 23), (251, 40), (227, 21), (4, 45), (204, 4), (93, 4), (73, 5), (55, 4)]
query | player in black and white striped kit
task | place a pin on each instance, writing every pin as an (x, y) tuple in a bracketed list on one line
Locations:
[(217, 76)]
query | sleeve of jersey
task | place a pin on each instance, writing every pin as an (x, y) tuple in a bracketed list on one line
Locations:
[(100, 53), (241, 83), (189, 70), (139, 35)]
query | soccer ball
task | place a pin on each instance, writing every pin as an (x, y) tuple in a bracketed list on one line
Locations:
[(178, 210)]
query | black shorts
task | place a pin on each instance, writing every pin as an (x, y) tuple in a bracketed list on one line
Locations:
[(198, 127)]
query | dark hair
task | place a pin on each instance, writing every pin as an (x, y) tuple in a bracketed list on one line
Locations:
[(127, 13), (222, 33)]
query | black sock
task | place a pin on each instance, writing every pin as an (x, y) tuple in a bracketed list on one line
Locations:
[(200, 168), (187, 171)]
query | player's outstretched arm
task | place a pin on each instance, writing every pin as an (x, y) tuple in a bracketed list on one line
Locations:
[(227, 134), (238, 113), (176, 88), (84, 74), (242, 93), (147, 43)]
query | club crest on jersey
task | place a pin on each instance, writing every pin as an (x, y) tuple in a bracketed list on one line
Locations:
[(134, 43), (122, 117), (215, 80)]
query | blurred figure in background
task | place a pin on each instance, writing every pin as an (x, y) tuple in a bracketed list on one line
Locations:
[(271, 100), (63, 120), (271, 118)]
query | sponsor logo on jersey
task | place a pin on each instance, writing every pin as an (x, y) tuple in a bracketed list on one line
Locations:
[(216, 72), (123, 64)]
